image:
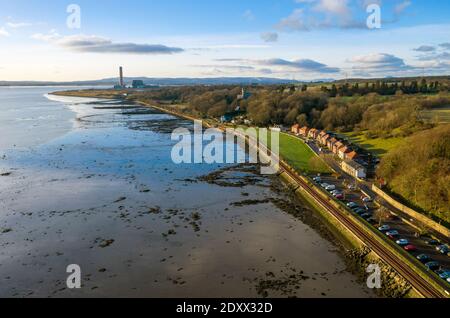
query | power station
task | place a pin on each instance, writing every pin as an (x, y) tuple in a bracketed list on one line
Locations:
[(121, 84)]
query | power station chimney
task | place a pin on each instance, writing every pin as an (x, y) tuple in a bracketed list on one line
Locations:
[(121, 83)]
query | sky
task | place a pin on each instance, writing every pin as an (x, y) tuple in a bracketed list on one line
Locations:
[(56, 40)]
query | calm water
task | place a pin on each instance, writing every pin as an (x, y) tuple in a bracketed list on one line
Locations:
[(96, 187)]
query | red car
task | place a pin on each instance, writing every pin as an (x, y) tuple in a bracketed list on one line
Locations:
[(410, 248)]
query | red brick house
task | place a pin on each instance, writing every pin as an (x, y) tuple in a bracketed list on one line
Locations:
[(351, 155), (331, 142), (304, 131), (295, 129), (337, 146), (313, 133), (343, 152)]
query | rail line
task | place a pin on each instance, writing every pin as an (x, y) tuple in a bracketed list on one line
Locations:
[(417, 282)]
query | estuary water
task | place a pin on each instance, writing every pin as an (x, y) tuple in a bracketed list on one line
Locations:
[(91, 183)]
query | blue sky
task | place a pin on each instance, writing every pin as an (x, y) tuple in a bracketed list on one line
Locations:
[(302, 39)]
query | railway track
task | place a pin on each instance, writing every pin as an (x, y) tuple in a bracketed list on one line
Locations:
[(417, 282)]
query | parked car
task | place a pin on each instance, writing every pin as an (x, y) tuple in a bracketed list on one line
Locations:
[(339, 196), (330, 187), (443, 273), (317, 179), (366, 199), (324, 185), (431, 242), (366, 216), (384, 228), (443, 249), (432, 266), (351, 187), (423, 258), (392, 233), (360, 211), (410, 248), (352, 205), (402, 242)]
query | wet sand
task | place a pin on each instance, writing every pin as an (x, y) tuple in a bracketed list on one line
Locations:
[(107, 197)]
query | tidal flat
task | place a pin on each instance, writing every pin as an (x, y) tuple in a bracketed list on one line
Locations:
[(103, 193)]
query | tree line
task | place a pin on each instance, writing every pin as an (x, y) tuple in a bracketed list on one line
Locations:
[(386, 88)]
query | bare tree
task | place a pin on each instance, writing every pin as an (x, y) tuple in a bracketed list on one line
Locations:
[(382, 215)]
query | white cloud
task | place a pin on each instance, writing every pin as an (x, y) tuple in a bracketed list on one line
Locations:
[(52, 35), (248, 15), (3, 32), (16, 25), (401, 7), (334, 7)]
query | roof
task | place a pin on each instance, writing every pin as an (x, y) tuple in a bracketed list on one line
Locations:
[(313, 130), (344, 149), (304, 128), (352, 155), (334, 140), (354, 165), (296, 126), (339, 145)]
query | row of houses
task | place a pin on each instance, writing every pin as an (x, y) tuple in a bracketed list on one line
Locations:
[(336, 146)]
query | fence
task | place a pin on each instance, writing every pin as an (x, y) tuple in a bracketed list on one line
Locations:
[(415, 215)]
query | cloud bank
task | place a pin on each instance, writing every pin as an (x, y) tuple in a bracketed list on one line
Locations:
[(96, 44)]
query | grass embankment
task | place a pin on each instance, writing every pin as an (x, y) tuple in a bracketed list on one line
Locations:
[(299, 156), (377, 146)]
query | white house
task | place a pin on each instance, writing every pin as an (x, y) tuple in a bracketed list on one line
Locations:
[(354, 169)]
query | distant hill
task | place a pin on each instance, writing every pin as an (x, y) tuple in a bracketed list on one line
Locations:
[(165, 81), (161, 81)]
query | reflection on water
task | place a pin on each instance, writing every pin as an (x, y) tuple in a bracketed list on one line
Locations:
[(105, 195)]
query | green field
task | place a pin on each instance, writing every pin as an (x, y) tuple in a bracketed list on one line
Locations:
[(378, 146), (299, 155), (441, 115)]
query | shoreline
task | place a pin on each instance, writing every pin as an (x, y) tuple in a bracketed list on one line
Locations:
[(357, 254)]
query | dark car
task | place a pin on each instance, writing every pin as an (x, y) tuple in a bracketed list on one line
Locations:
[(433, 266), (423, 258), (431, 242), (359, 210)]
